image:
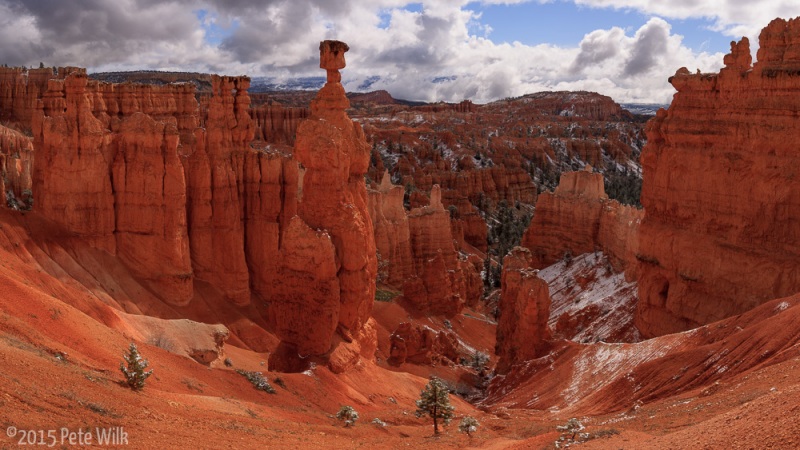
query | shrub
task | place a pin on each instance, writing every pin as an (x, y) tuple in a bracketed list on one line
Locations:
[(257, 380), (348, 415), (571, 433), (479, 360), (133, 368), (378, 422), (468, 425)]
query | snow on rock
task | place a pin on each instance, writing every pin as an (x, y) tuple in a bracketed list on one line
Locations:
[(600, 365), (590, 302)]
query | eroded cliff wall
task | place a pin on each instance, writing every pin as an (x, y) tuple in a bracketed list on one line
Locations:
[(721, 189)]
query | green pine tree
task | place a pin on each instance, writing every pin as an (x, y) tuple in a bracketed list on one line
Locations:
[(434, 401), (135, 373)]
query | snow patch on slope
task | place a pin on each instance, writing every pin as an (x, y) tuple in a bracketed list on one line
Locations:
[(590, 302)]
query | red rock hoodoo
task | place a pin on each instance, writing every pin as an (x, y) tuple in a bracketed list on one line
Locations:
[(522, 330), (392, 234), (16, 163), (334, 156), (443, 282), (418, 344), (721, 189), (420, 253), (579, 218)]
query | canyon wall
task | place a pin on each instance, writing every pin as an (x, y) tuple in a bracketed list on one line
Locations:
[(21, 88), (579, 218), (721, 189)]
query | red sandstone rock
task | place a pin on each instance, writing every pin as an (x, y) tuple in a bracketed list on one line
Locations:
[(305, 300), (277, 124), (332, 197), (20, 88), (721, 189), (72, 179), (482, 155), (362, 347), (444, 282), (173, 189), (150, 228), (392, 235), (16, 163), (419, 344), (420, 251), (579, 218), (112, 175), (524, 307), (216, 232)]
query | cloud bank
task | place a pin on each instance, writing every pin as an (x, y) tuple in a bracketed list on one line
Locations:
[(405, 45)]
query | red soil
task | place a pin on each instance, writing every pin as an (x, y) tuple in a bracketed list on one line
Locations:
[(61, 344)]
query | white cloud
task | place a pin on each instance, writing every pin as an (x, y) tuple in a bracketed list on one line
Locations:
[(734, 18), (407, 49)]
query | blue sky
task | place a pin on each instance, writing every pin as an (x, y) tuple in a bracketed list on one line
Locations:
[(214, 32), (565, 23), (426, 50)]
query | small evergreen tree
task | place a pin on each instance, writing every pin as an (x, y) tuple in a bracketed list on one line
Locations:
[(348, 415), (468, 425), (135, 373), (434, 401)]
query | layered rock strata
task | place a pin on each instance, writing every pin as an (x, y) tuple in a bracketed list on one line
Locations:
[(21, 88), (578, 218), (522, 330), (277, 124), (418, 344), (392, 233), (721, 189), (444, 281)]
